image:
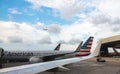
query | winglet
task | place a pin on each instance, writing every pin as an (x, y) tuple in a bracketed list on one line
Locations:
[(79, 47), (57, 47)]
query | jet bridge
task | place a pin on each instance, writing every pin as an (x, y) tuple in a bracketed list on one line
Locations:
[(113, 41)]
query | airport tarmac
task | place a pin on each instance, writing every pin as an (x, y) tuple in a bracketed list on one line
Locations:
[(111, 66)]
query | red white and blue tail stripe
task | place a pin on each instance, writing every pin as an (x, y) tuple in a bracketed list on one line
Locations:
[(85, 49)]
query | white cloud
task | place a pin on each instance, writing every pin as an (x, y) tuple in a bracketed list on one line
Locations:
[(62, 41), (99, 18), (15, 39), (74, 41), (77, 30), (14, 11), (111, 7), (54, 28), (1, 41), (24, 32), (66, 9), (27, 32), (45, 40)]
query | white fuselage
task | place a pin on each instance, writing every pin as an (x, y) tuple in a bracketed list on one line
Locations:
[(27, 55)]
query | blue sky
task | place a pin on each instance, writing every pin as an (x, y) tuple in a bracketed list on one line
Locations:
[(52, 21), (25, 13)]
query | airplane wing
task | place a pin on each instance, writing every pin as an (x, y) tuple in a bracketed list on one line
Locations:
[(53, 56), (40, 67), (85, 47)]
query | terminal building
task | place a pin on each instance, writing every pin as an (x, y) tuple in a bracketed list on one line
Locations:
[(110, 42)]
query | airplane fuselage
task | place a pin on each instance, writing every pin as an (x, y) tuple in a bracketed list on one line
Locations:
[(26, 55)]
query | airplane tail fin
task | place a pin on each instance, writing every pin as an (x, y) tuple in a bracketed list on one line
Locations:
[(57, 47), (79, 47), (86, 47)]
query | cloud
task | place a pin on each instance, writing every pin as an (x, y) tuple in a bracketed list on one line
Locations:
[(110, 7), (102, 21), (101, 18), (14, 11), (62, 41), (1, 41), (77, 30), (106, 24), (15, 39), (54, 28), (66, 9), (28, 32), (74, 41), (45, 40)]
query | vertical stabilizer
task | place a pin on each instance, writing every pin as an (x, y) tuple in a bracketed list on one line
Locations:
[(87, 45), (57, 47), (85, 49), (79, 47)]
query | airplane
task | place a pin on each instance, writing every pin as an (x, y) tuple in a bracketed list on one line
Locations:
[(34, 57), (40, 67), (38, 58), (20, 55)]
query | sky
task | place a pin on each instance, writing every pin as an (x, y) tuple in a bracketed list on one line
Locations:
[(30, 24)]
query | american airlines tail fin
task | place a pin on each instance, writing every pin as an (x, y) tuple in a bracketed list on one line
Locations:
[(57, 47), (87, 45), (85, 49)]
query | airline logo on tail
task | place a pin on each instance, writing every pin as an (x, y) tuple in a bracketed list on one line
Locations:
[(57, 47), (85, 49)]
